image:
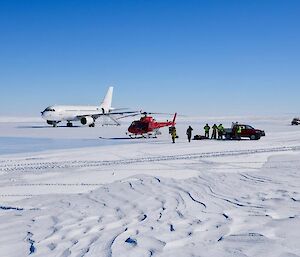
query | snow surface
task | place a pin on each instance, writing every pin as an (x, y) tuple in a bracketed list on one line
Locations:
[(66, 192)]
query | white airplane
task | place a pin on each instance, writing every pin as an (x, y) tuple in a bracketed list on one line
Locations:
[(83, 113)]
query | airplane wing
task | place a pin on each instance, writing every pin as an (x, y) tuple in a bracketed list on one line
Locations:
[(118, 109), (113, 113)]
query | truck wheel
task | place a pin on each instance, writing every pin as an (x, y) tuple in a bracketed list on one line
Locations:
[(253, 137), (227, 136)]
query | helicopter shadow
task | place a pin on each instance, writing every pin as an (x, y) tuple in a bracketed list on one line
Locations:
[(115, 138)]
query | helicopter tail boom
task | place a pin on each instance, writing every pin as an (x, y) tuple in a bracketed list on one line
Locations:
[(173, 122)]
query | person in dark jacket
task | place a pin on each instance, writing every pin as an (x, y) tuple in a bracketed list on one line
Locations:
[(214, 132), (189, 133), (206, 130)]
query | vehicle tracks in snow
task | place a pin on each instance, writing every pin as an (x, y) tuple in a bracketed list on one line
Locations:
[(57, 184), (21, 166)]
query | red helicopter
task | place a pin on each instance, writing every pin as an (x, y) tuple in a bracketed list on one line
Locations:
[(147, 126)]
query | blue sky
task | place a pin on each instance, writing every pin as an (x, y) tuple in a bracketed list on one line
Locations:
[(194, 57)]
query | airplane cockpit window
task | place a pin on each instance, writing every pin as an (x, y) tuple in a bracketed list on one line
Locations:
[(48, 109)]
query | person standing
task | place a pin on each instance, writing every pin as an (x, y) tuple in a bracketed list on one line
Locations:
[(173, 134), (214, 132), (220, 131), (189, 133), (238, 132), (206, 130), (234, 124)]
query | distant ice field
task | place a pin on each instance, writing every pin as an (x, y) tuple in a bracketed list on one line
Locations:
[(34, 135), (24, 137), (11, 145)]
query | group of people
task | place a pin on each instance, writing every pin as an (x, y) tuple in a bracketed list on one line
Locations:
[(217, 131)]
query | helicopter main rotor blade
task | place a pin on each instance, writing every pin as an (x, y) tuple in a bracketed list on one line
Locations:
[(161, 113), (129, 115)]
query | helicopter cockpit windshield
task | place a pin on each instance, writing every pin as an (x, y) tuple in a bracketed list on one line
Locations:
[(140, 125)]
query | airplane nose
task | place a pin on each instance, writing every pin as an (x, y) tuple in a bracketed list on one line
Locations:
[(43, 114)]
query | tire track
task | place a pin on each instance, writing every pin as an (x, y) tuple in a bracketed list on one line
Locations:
[(56, 184), (39, 166)]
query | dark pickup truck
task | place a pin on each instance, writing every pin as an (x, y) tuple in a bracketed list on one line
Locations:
[(246, 131), (296, 121)]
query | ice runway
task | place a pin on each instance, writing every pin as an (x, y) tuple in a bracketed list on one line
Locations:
[(149, 197)]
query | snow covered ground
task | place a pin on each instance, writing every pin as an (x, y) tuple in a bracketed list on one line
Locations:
[(66, 192)]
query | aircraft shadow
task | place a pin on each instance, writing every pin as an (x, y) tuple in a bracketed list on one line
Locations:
[(45, 126)]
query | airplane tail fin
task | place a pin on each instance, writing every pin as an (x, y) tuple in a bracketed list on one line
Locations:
[(173, 122), (106, 103)]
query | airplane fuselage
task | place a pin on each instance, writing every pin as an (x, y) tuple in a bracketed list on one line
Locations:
[(70, 112)]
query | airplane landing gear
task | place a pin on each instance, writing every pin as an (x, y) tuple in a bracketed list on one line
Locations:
[(69, 124), (92, 125)]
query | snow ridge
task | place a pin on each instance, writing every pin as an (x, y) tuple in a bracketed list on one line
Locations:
[(156, 216)]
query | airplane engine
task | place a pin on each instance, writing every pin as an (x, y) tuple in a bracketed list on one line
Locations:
[(88, 120), (51, 122)]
